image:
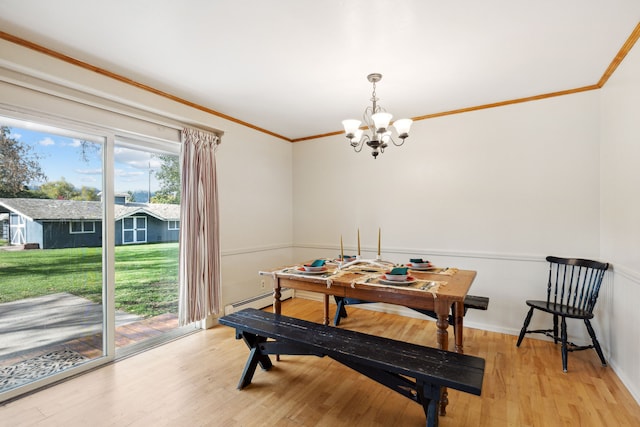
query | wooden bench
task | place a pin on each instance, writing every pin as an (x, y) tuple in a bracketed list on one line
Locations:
[(470, 301), (416, 372)]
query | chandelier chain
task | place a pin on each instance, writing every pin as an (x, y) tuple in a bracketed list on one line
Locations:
[(374, 98)]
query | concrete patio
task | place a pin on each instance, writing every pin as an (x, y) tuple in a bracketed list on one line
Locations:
[(47, 320)]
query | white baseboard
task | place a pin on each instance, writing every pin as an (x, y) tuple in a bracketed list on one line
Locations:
[(258, 301)]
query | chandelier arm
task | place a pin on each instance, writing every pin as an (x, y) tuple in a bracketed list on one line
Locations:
[(358, 147), (395, 143)]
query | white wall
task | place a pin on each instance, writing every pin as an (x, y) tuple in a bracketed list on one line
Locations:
[(256, 209), (620, 215), (521, 179)]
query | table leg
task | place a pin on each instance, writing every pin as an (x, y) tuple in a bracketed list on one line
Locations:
[(277, 294), (442, 311), (277, 303), (325, 320), (458, 309)]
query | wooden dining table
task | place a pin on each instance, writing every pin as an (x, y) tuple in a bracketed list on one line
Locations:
[(351, 282), (348, 284)]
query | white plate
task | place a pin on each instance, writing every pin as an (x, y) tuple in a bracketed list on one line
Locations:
[(409, 281), (395, 277), (411, 267), (324, 270)]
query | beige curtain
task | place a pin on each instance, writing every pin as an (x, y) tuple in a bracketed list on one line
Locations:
[(199, 265)]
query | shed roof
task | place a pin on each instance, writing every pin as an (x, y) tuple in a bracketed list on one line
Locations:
[(74, 210)]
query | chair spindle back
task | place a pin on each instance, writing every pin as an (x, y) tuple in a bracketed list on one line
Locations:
[(574, 282)]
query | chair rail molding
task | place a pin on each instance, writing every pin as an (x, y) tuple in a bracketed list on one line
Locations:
[(255, 249), (627, 273)]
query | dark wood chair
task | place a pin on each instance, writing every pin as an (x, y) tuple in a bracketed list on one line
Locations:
[(572, 291)]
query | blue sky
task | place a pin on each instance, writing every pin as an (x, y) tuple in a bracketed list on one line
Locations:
[(61, 157)]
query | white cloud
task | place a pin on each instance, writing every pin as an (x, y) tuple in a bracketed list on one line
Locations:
[(136, 158), (47, 141), (89, 171), (121, 173)]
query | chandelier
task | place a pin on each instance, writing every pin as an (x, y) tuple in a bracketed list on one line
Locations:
[(377, 121)]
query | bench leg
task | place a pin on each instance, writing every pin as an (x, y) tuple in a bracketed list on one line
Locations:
[(340, 310), (325, 310), (255, 356), (249, 368), (429, 395)]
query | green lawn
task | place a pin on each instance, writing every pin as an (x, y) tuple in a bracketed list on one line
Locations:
[(146, 276)]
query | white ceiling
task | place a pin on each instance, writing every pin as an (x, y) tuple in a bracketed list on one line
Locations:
[(298, 67)]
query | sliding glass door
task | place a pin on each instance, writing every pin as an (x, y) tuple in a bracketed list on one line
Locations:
[(52, 305), (88, 250)]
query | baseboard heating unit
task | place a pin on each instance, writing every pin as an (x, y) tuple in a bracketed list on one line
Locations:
[(259, 301)]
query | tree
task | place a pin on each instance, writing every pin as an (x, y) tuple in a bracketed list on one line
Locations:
[(19, 165), (169, 177), (87, 193), (88, 149), (63, 190)]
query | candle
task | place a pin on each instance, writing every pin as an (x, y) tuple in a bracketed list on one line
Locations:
[(358, 242), (378, 241), (341, 249)]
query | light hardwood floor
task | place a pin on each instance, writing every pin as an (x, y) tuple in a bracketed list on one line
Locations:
[(192, 382)]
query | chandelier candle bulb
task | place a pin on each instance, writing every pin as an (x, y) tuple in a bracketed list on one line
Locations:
[(351, 127), (386, 137), (357, 137), (403, 126), (381, 121)]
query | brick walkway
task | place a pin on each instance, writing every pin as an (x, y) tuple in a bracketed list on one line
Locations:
[(91, 346)]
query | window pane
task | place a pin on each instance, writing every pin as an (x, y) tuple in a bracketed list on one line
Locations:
[(128, 223), (147, 253), (50, 299)]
